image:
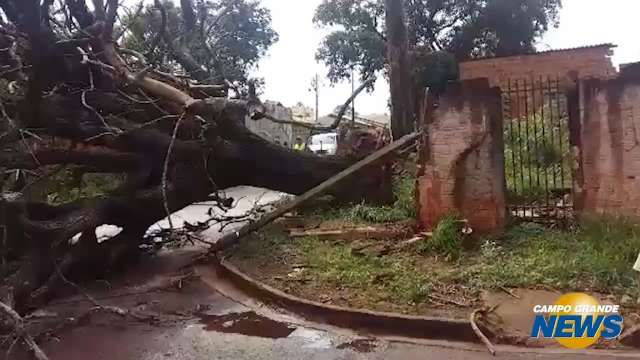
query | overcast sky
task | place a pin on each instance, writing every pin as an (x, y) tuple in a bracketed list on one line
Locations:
[(290, 64)]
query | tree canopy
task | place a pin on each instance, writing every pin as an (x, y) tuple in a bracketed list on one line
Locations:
[(224, 38), (463, 28)]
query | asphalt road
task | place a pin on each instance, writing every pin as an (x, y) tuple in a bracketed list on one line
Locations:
[(223, 329)]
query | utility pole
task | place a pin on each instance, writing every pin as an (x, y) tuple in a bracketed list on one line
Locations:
[(317, 98), (315, 87)]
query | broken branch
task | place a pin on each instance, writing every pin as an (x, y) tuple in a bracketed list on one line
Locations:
[(233, 237), (478, 332), (20, 330), (336, 122)]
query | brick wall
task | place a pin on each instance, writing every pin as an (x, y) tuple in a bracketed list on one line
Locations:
[(609, 139), (462, 164), (588, 62)]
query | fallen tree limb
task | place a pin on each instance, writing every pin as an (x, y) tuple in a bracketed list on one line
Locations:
[(339, 116), (21, 332), (233, 237), (478, 332)]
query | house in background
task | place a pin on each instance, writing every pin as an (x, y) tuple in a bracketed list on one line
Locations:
[(363, 122), (283, 134), (301, 118)]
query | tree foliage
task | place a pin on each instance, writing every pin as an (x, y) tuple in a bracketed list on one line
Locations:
[(226, 38), (464, 28)]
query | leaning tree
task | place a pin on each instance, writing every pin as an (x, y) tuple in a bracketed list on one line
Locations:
[(73, 95)]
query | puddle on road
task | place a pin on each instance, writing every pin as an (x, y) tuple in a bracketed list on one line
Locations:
[(313, 339), (359, 345), (246, 323)]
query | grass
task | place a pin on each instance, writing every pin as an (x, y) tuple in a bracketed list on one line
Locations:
[(597, 256), (270, 241), (62, 190), (404, 208), (381, 277), (446, 239)]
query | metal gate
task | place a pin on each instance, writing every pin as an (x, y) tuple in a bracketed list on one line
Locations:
[(537, 150)]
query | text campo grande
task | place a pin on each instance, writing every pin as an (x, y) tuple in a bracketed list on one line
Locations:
[(583, 308)]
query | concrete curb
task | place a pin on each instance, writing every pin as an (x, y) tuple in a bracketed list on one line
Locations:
[(370, 322)]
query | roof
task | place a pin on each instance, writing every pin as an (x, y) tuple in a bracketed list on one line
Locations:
[(376, 120), (586, 47)]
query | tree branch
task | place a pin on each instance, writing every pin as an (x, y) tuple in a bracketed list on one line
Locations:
[(188, 14), (321, 189), (99, 10), (99, 158), (112, 12), (336, 122), (18, 324), (161, 31)]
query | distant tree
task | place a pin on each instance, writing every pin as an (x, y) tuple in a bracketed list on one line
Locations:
[(221, 39), (463, 28)]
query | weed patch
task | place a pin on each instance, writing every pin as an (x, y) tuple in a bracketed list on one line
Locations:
[(382, 278), (598, 256), (446, 239), (404, 208)]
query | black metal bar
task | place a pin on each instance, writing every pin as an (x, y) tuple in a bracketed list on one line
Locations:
[(512, 140), (520, 147), (561, 118), (528, 150), (553, 135), (544, 142), (535, 138)]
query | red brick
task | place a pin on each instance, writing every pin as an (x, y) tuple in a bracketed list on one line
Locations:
[(475, 187)]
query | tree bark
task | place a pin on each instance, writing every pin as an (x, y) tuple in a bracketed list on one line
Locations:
[(401, 83)]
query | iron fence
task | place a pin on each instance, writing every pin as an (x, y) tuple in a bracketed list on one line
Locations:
[(537, 150)]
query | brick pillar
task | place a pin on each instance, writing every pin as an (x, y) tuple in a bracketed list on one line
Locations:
[(462, 158), (609, 153)]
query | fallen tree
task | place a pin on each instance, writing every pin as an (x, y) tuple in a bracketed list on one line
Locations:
[(71, 95)]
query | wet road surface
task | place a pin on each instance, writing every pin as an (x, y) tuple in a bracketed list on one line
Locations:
[(198, 323)]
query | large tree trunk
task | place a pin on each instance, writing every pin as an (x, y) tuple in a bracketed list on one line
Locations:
[(402, 109), (74, 101)]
